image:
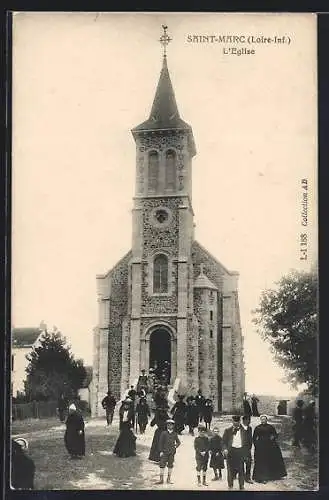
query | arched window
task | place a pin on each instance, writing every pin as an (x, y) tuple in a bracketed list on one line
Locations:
[(153, 170), (170, 169), (160, 274)]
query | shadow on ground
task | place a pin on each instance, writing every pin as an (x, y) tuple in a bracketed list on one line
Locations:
[(56, 470)]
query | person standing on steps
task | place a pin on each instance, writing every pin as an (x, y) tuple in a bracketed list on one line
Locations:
[(216, 454), (201, 446), (168, 443), (109, 403)]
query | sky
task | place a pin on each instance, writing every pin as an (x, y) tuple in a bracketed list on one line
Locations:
[(82, 81)]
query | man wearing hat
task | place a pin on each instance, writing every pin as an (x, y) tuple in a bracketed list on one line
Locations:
[(201, 446), (234, 450), (168, 443), (109, 403)]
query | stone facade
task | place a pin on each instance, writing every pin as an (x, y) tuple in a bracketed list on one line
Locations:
[(168, 285)]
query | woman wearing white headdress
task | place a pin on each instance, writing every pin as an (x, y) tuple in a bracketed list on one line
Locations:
[(74, 437)]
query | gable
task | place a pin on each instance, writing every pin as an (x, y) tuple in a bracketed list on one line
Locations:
[(213, 269)]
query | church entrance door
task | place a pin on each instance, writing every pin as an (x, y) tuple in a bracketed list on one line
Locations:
[(160, 354)]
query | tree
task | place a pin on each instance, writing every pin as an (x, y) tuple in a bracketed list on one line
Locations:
[(287, 319), (52, 369)]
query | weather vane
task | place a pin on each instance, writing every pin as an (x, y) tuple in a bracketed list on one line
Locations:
[(165, 39)]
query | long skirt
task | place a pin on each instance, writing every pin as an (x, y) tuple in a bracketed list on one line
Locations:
[(269, 464), (154, 451), (126, 443), (75, 442)]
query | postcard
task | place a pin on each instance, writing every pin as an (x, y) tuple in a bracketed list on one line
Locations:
[(164, 251)]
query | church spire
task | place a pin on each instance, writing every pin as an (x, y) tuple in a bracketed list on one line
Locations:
[(164, 113)]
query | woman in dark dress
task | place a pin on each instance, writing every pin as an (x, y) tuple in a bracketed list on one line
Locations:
[(143, 412), (179, 413), (126, 442), (160, 418), (246, 406), (22, 466), (74, 436), (269, 464), (216, 453), (254, 406)]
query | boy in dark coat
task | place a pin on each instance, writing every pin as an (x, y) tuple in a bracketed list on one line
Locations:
[(216, 450), (168, 443), (201, 446)]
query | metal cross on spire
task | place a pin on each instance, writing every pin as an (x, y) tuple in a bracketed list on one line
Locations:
[(165, 39)]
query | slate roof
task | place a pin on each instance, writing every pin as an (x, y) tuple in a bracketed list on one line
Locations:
[(164, 113), (25, 337), (202, 281)]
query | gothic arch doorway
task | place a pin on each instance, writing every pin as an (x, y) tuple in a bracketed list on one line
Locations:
[(160, 354)]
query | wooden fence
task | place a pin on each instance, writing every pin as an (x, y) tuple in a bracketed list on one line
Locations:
[(35, 409)]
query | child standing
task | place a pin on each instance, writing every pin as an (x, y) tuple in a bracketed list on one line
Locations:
[(216, 450), (168, 443), (201, 446)]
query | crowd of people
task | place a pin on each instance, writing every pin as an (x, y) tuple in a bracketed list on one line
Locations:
[(211, 449), (233, 448)]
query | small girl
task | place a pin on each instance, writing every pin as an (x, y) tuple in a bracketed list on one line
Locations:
[(217, 459)]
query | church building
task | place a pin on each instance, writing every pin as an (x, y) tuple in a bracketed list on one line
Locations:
[(168, 301)]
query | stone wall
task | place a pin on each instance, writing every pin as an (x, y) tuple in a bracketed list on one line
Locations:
[(229, 360), (205, 300), (192, 355), (237, 356), (118, 312)]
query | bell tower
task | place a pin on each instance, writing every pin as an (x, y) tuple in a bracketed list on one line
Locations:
[(161, 265)]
